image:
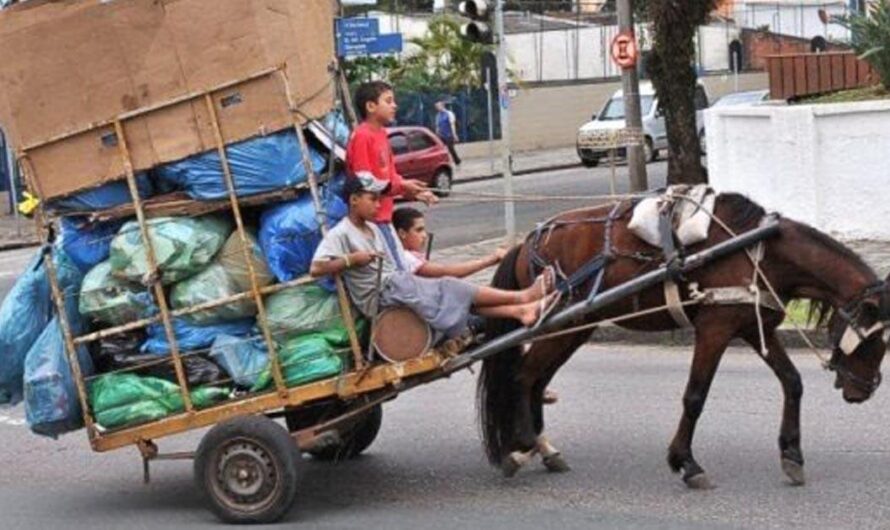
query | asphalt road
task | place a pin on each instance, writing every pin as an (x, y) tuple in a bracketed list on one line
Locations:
[(618, 411), (462, 219)]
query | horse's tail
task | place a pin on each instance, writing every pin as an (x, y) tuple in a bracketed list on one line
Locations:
[(497, 390)]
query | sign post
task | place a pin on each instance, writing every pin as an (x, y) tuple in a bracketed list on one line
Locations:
[(624, 53)]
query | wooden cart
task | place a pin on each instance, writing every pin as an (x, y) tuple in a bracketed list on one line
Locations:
[(246, 464)]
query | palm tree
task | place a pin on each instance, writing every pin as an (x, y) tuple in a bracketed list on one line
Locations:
[(445, 57)]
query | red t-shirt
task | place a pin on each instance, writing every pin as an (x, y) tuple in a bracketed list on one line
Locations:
[(369, 150)]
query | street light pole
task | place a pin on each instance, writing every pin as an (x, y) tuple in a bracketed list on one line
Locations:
[(504, 101), (630, 84)]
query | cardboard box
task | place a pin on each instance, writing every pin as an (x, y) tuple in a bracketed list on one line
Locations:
[(70, 67)]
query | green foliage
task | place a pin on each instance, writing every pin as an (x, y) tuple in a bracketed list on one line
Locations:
[(871, 37)]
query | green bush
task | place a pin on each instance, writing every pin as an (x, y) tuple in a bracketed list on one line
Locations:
[(871, 37)]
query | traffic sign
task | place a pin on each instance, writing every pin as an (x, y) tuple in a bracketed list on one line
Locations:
[(361, 36), (624, 50)]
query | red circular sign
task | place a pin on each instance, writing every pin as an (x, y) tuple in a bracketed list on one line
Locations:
[(624, 50)]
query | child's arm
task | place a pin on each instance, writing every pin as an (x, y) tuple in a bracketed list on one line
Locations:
[(336, 265), (460, 270)]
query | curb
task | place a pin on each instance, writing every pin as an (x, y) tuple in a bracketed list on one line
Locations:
[(529, 171), (16, 245)]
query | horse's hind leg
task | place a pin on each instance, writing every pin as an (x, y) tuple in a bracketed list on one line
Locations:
[(713, 333), (792, 387)]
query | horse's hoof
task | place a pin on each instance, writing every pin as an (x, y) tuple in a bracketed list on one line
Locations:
[(556, 464), (509, 467), (698, 481), (794, 471)]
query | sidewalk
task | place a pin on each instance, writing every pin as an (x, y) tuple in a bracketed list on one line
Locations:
[(478, 168), (16, 233)]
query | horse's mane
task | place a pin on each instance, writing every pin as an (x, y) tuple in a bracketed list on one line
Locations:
[(743, 211)]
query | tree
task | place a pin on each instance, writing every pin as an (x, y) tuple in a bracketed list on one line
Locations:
[(444, 57), (671, 66), (871, 37)]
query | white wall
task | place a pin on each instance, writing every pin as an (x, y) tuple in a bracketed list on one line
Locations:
[(826, 165), (799, 18)]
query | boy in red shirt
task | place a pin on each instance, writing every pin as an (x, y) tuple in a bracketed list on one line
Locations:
[(368, 153)]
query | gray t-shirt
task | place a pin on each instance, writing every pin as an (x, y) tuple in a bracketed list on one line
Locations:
[(361, 282)]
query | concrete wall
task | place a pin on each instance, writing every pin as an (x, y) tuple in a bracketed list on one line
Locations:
[(826, 165), (548, 117)]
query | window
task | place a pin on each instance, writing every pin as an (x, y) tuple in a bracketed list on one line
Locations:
[(399, 143), (420, 141), (615, 109), (701, 99)]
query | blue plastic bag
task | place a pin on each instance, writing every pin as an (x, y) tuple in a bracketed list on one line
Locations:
[(51, 402), (191, 337), (25, 313), (87, 244), (336, 124), (105, 196), (258, 165), (243, 358), (289, 235)]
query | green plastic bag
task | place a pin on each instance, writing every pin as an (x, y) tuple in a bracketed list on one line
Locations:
[(303, 360), (183, 247), (213, 283), (300, 310), (111, 300), (232, 258), (128, 399)]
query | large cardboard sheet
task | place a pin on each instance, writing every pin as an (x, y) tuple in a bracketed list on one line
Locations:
[(66, 66)]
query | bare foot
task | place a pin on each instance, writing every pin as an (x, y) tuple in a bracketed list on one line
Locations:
[(544, 284), (529, 314)]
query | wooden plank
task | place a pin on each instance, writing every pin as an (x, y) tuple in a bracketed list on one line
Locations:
[(800, 76), (354, 383), (837, 72), (812, 74), (774, 66), (851, 77), (788, 89), (825, 74)]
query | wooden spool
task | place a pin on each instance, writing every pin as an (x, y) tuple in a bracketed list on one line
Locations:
[(400, 335)]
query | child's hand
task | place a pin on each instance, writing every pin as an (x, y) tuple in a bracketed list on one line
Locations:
[(499, 254), (362, 259), (427, 197), (412, 188)]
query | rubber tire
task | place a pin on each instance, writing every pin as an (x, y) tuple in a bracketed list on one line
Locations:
[(653, 153), (448, 180), (590, 162), (356, 440), (277, 443)]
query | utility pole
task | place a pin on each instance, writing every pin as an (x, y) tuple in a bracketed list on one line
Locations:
[(630, 83), (504, 100)]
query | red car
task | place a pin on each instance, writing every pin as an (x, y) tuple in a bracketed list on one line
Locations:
[(421, 155)]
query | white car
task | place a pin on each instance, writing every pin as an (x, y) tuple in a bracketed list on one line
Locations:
[(611, 118)]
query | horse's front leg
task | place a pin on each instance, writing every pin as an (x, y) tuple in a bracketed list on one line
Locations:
[(792, 388), (713, 333)]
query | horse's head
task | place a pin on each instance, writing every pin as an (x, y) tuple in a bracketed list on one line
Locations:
[(858, 337)]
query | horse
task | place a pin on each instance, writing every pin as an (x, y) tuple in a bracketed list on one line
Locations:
[(799, 262)]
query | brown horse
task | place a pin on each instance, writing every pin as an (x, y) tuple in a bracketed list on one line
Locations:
[(800, 262)]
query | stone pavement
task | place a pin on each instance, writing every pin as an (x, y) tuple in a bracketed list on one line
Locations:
[(16, 232)]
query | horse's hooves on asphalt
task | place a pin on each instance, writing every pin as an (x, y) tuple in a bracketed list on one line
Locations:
[(698, 482), (794, 471), (509, 467), (556, 464)]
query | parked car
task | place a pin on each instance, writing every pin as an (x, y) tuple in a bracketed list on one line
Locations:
[(611, 117), (736, 99), (421, 155)]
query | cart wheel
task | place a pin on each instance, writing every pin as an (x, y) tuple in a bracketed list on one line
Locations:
[(246, 468), (355, 440)]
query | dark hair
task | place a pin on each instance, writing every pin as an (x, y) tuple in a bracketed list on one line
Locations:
[(369, 92), (403, 218)]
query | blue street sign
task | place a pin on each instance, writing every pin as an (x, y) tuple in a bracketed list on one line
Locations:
[(361, 36)]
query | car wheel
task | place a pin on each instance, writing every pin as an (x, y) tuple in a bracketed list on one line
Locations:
[(650, 154), (590, 162), (442, 181)]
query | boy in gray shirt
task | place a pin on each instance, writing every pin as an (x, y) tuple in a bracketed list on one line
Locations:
[(353, 247)]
